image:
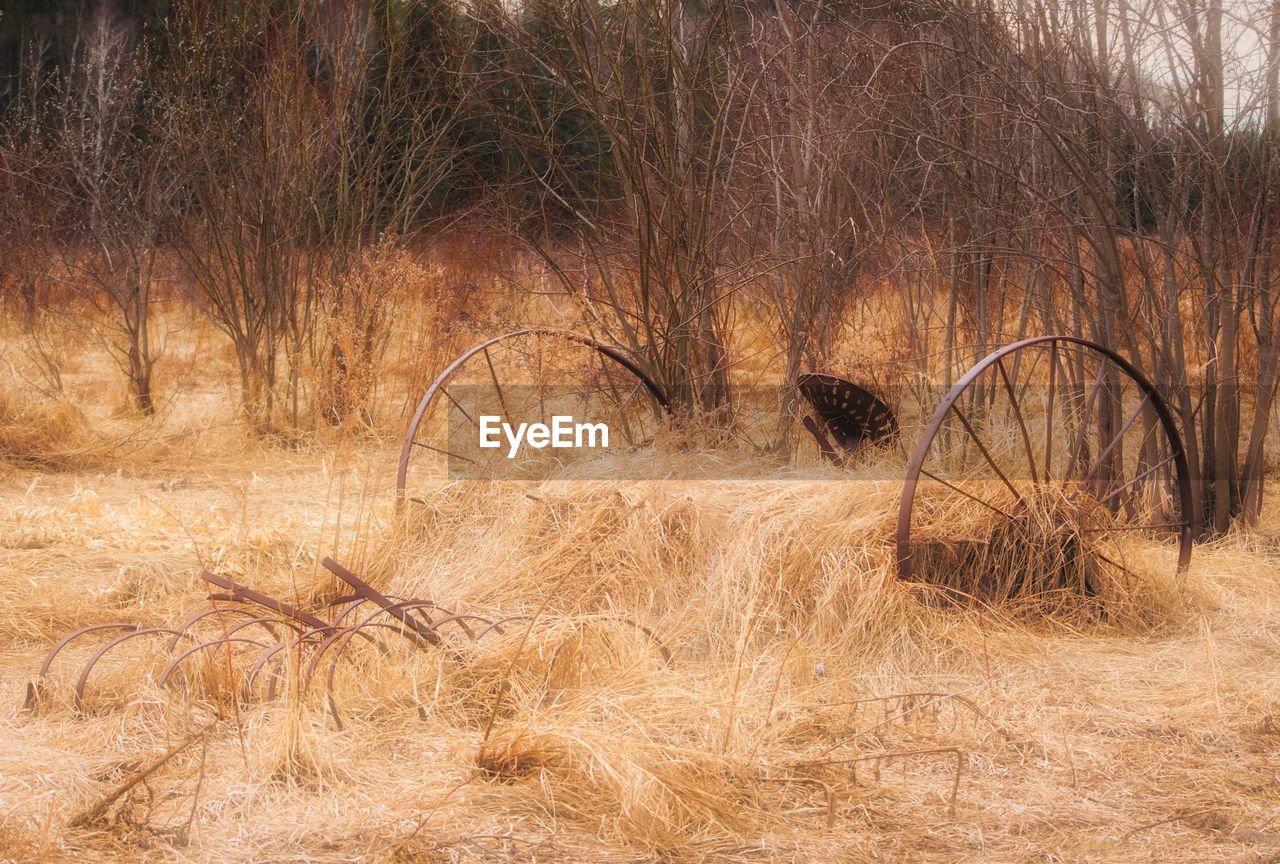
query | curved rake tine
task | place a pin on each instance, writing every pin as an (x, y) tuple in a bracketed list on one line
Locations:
[(345, 639), (400, 603), (351, 606), (658, 643), (176, 661), (403, 607), (344, 636), (246, 689), (267, 655), (76, 634), (35, 689), (101, 652), (367, 591), (462, 622), (420, 606), (200, 616), (352, 630), (497, 625), (649, 634)]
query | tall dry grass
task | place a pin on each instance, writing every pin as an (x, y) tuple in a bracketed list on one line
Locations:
[(706, 669), (811, 702)]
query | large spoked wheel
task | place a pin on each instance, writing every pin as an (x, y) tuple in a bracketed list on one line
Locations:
[(1052, 465), (526, 376)]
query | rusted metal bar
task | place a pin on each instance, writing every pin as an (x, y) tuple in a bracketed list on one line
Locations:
[(242, 593), (368, 592)]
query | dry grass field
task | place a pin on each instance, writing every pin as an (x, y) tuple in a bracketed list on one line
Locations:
[(1020, 260), (813, 708)]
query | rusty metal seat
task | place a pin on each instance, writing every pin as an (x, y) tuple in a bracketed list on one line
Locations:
[(849, 417)]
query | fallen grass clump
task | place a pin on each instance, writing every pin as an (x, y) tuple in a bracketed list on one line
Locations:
[(1052, 559), (42, 433), (666, 801)]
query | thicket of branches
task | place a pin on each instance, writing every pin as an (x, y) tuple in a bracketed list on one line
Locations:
[(1105, 169)]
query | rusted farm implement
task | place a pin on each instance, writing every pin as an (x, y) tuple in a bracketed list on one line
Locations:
[(316, 645), (1056, 447), (1061, 443), (238, 613)]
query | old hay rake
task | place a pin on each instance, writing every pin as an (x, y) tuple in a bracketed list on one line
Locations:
[(256, 635)]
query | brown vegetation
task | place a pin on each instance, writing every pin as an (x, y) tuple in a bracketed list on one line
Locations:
[(812, 705), (237, 241)]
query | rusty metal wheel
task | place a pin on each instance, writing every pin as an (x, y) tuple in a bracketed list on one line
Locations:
[(526, 376), (1039, 471)]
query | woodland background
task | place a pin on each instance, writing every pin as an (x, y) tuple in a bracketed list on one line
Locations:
[(981, 170)]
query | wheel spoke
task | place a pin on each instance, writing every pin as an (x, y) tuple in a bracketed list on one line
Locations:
[(1048, 426), (1138, 479), (1017, 413), (1082, 433), (1116, 440), (950, 486), (986, 454), (1016, 374), (1108, 529), (457, 405), (493, 375)]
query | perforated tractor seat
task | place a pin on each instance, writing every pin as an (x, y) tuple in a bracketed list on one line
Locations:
[(849, 417)]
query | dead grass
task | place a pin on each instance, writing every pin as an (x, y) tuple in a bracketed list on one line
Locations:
[(812, 708), (41, 433)]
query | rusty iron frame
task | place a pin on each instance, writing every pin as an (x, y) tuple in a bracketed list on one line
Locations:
[(242, 593), (365, 591)]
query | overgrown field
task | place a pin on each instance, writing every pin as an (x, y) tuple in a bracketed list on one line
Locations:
[(708, 670)]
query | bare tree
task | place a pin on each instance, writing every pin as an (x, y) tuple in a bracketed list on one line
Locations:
[(397, 100), (117, 199), (814, 196), (651, 77), (303, 134), (247, 122)]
